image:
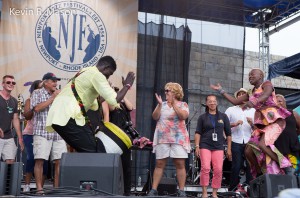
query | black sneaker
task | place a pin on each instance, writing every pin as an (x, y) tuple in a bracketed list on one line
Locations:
[(181, 193), (152, 193)]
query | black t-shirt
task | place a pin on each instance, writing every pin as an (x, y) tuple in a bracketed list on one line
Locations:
[(7, 110), (208, 124), (287, 142)]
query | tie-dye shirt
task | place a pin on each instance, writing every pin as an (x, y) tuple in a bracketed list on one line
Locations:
[(170, 129)]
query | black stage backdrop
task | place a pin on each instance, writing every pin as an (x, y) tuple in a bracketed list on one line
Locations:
[(163, 56)]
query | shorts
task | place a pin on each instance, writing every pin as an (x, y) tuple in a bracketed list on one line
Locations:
[(42, 148), (8, 149), (170, 150)]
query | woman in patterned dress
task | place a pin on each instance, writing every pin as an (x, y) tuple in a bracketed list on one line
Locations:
[(171, 138), (269, 122)]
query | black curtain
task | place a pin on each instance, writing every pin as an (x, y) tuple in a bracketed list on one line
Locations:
[(163, 56)]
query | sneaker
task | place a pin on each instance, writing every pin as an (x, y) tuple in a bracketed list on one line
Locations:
[(181, 193), (152, 192), (26, 188)]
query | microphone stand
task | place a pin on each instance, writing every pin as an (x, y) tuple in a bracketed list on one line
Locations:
[(188, 124), (190, 173)]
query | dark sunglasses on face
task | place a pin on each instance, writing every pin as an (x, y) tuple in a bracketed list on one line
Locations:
[(10, 82), (167, 90)]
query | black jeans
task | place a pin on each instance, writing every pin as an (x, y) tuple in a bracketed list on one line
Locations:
[(237, 163), (83, 140)]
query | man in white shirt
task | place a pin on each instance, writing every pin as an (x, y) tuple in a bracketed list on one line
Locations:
[(241, 122)]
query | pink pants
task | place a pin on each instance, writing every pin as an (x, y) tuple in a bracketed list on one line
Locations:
[(216, 158)]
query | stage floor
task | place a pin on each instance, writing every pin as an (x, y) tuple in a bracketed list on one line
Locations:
[(191, 190)]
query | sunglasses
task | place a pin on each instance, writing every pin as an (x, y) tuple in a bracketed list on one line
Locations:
[(167, 90), (10, 82)]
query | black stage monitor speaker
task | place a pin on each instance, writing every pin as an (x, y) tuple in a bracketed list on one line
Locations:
[(10, 178), (86, 171), (3, 174), (269, 185), (167, 186)]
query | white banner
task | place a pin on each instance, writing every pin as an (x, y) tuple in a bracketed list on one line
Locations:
[(62, 37)]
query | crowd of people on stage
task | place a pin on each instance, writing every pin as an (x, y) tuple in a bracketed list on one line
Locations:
[(90, 115)]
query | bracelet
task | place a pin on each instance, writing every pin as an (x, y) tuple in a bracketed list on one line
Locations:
[(128, 85), (221, 91), (197, 146)]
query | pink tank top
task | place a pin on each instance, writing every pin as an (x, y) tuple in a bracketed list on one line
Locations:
[(29, 128)]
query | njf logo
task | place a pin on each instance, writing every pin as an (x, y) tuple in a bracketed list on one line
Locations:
[(70, 36)]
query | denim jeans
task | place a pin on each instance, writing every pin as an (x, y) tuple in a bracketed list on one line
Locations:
[(237, 163)]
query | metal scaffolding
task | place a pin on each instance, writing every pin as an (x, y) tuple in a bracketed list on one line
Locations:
[(264, 43), (279, 13)]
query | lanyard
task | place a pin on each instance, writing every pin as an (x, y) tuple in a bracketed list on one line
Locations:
[(212, 120)]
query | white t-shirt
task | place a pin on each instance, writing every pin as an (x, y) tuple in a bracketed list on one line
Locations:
[(241, 133)]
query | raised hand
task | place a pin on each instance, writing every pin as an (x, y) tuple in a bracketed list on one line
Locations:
[(216, 87), (158, 98), (129, 79)]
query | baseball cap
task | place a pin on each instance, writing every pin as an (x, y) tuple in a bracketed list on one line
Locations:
[(241, 89), (50, 76)]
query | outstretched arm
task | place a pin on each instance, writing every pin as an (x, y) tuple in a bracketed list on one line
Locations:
[(234, 101), (105, 90)]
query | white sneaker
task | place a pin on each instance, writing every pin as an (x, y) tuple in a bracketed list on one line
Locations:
[(26, 188)]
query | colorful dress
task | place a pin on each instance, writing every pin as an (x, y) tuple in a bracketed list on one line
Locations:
[(269, 119), (170, 129)]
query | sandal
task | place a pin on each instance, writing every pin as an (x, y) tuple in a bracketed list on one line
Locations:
[(40, 192)]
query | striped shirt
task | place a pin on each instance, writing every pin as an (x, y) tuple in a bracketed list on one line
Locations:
[(39, 118)]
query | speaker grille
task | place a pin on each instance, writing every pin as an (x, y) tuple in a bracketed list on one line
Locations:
[(100, 170)]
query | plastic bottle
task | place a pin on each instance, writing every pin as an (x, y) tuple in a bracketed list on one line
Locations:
[(139, 182)]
